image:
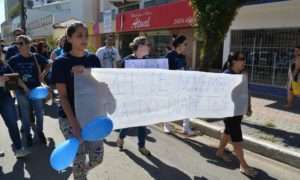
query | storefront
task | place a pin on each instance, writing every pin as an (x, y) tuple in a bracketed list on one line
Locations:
[(267, 34), (159, 27)]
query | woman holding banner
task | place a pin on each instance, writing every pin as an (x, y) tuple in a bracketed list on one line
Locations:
[(141, 49), (233, 131), (75, 60), (177, 61)]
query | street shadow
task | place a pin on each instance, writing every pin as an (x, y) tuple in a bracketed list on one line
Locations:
[(261, 175), (210, 153), (200, 178), (37, 165), (288, 138), (279, 103), (16, 173), (110, 143), (160, 170)]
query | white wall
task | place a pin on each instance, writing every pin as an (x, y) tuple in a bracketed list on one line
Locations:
[(105, 5), (59, 11), (84, 10), (265, 16)]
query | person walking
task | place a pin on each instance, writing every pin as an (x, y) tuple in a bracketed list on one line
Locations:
[(75, 60), (141, 49), (32, 69), (233, 132), (108, 55), (177, 61)]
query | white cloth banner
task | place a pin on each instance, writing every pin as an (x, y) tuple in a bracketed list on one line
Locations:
[(140, 97)]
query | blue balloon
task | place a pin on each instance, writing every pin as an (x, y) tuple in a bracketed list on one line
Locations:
[(38, 93), (64, 154), (97, 129)]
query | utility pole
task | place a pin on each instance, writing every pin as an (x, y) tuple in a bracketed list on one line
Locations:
[(23, 15)]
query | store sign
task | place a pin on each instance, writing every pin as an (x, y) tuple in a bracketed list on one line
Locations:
[(172, 15), (107, 21)]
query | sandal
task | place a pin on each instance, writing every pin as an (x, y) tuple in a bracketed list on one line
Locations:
[(120, 144)]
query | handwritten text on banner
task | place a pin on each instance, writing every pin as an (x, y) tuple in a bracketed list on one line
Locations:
[(139, 97)]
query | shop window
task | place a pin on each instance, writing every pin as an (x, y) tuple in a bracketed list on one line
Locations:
[(269, 53)]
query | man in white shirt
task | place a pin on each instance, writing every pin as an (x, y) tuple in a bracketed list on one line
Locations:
[(108, 55)]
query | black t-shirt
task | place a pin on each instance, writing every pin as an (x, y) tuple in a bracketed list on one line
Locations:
[(176, 61), (61, 73), (28, 69)]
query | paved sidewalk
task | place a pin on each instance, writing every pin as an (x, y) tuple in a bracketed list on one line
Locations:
[(272, 122)]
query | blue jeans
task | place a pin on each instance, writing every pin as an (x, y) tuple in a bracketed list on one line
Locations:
[(141, 135), (26, 105), (9, 115)]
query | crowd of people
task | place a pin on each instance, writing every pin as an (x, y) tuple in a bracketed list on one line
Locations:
[(28, 65)]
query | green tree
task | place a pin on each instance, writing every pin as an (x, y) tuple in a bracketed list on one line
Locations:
[(15, 11), (213, 19)]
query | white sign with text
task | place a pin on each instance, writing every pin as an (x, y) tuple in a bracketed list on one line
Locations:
[(147, 63), (140, 97)]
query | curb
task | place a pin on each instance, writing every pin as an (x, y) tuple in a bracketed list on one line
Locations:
[(255, 145)]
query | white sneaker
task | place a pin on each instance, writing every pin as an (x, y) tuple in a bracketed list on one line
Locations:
[(167, 128), (22, 153)]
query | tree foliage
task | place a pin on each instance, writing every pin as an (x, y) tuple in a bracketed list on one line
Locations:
[(213, 17), (15, 11)]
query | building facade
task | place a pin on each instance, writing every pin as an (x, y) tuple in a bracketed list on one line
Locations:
[(267, 33), (149, 18), (43, 14)]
